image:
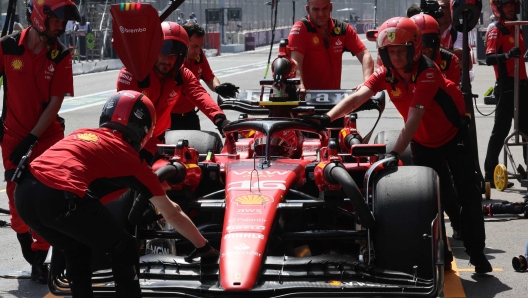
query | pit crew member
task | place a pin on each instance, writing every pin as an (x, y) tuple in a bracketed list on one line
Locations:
[(317, 43), (59, 196), (500, 50), (169, 79), (434, 123), (184, 115), (448, 62), (37, 71)]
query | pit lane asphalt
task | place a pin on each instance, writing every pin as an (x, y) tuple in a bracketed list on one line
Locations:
[(506, 236)]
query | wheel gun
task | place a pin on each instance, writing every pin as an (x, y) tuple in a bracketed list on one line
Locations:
[(22, 165)]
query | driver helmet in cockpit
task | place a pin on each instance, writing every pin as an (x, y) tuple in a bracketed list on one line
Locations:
[(282, 143)]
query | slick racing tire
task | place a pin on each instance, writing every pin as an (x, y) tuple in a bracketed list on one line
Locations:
[(405, 206), (202, 141), (389, 137)]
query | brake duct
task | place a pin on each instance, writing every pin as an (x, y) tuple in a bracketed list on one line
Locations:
[(336, 173)]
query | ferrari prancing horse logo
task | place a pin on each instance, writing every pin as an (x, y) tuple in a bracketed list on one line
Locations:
[(391, 36), (54, 54)]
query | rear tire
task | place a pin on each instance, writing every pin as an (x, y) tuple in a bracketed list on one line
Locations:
[(202, 141), (405, 205), (389, 137)]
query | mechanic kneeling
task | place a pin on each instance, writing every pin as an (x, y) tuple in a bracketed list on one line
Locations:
[(58, 196)]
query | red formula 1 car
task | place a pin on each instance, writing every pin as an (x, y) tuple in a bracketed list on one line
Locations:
[(292, 211)]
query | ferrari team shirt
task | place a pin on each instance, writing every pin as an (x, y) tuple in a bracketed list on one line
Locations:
[(322, 63), (97, 160), (31, 80), (201, 69), (190, 88), (501, 39), (428, 90)]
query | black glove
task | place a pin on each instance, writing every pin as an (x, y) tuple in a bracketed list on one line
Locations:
[(513, 53), (22, 148), (322, 120), (220, 121), (226, 90), (394, 161)]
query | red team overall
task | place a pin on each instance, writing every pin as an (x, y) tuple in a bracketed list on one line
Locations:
[(168, 80), (59, 196), (500, 50), (434, 124), (37, 75), (317, 43), (448, 62)]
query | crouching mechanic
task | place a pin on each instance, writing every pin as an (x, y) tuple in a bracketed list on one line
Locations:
[(434, 123), (37, 71), (58, 196), (167, 80), (184, 115)]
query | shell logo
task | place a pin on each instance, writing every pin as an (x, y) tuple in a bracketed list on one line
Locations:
[(315, 40), (87, 137), (512, 40), (396, 93), (17, 64), (252, 199), (40, 2)]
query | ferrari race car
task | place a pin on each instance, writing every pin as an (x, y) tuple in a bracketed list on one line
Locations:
[(292, 210)]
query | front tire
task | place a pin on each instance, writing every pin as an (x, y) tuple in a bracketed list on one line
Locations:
[(406, 203)]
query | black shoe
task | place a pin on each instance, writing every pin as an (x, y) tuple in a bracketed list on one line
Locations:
[(457, 234), (492, 184), (482, 265), (207, 251), (39, 273)]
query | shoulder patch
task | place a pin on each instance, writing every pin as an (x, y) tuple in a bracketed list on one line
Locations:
[(308, 25), (339, 28), (10, 45)]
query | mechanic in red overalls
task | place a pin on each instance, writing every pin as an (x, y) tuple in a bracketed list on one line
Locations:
[(167, 80), (184, 115), (59, 196), (37, 75), (435, 126), (500, 50), (448, 62), (317, 43)]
